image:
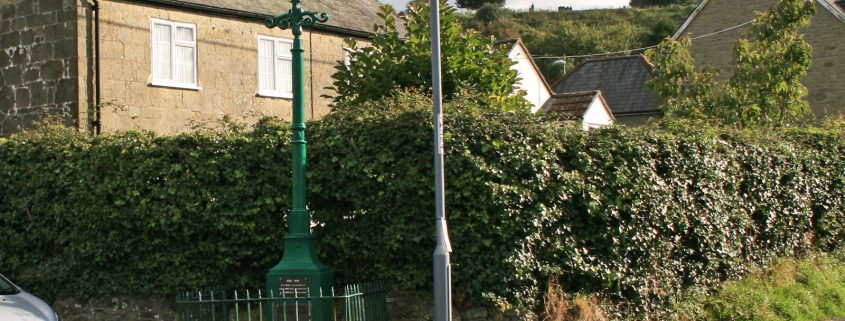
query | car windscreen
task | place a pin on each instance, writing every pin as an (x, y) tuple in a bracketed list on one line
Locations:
[(6, 287)]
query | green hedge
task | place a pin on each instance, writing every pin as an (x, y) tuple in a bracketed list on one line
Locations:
[(635, 214), (136, 214), (638, 215)]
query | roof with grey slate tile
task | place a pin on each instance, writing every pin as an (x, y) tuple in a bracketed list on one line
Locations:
[(355, 17), (621, 80)]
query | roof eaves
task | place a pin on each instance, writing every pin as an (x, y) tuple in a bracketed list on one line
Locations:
[(251, 15), (576, 93), (534, 64), (643, 112), (690, 19), (833, 9)]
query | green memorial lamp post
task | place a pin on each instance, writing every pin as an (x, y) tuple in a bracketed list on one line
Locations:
[(300, 271)]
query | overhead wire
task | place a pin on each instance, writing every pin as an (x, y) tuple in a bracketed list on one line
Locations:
[(638, 49)]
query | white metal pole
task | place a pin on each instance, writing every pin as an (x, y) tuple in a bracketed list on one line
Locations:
[(442, 266)]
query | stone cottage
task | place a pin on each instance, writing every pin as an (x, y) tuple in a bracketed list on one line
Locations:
[(163, 65), (826, 34)]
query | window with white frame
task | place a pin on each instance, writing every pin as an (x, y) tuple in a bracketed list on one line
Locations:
[(275, 65), (174, 54)]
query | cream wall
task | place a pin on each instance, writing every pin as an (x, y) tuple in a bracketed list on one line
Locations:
[(530, 80), (227, 70), (597, 116)]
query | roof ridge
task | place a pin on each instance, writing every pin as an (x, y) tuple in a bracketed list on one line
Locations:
[(577, 93), (837, 8), (615, 58), (642, 58), (232, 10)]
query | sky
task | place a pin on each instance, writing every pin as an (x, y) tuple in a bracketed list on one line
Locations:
[(540, 4)]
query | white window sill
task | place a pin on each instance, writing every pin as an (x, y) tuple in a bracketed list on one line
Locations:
[(271, 94), (175, 85)]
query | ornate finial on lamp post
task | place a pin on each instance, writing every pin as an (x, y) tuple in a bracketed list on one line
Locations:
[(299, 269)]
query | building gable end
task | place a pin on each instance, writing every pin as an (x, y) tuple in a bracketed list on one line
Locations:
[(838, 13)]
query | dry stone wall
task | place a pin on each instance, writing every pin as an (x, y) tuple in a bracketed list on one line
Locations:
[(37, 62), (401, 307)]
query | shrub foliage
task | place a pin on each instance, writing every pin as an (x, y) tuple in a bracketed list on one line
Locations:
[(401, 59), (637, 215), (136, 214)]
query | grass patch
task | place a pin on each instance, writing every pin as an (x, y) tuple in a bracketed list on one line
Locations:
[(811, 289)]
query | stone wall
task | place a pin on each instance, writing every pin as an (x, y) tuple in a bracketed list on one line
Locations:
[(37, 63), (401, 307), (116, 308), (227, 61), (826, 34)]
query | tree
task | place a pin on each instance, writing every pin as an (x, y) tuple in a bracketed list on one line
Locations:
[(652, 3), (471, 62), (770, 66), (475, 4), (487, 13), (687, 92), (765, 89)]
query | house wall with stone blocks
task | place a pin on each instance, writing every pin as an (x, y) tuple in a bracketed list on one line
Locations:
[(48, 67), (227, 59), (826, 34), (38, 63)]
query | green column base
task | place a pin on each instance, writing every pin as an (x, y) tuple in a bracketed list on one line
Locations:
[(300, 269)]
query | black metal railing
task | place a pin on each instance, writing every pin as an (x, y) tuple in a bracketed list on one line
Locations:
[(356, 302)]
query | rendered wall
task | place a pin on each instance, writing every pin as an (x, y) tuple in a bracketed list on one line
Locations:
[(596, 116), (530, 80)]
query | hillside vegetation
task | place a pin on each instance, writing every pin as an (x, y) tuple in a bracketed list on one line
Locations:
[(572, 33)]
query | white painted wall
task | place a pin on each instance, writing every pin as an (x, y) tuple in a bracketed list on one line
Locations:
[(597, 116), (530, 80)]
